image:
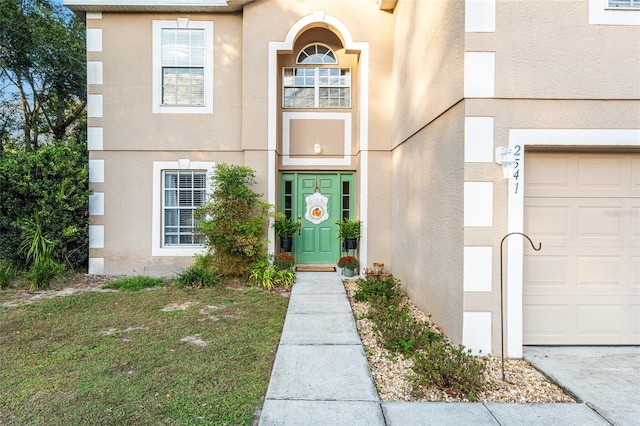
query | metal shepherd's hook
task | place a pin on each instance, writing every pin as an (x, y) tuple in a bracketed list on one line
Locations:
[(502, 293)]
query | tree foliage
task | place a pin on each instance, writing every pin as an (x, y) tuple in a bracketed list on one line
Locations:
[(235, 221), (42, 72), (44, 200)]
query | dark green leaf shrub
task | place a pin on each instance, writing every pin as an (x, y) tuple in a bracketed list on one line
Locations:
[(384, 288), (42, 272), (49, 186), (7, 273), (452, 368), (197, 276), (235, 222), (398, 331)]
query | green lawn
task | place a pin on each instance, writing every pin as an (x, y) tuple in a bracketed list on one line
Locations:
[(118, 358)]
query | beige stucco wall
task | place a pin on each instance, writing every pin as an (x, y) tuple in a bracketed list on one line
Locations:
[(427, 159), (427, 225), (428, 60), (553, 71), (548, 50), (128, 88)]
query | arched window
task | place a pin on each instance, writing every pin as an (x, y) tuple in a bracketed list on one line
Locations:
[(319, 85), (316, 54)]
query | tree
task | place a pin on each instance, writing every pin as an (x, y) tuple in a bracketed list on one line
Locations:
[(42, 70)]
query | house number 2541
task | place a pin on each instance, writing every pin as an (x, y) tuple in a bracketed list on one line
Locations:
[(517, 150)]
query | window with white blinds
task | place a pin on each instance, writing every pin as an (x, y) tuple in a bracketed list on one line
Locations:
[(183, 193), (183, 57), (624, 3)]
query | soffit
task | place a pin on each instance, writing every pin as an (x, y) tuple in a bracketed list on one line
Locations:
[(212, 6)]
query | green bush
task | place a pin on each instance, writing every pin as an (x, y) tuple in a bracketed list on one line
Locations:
[(270, 277), (45, 191), (235, 222), (135, 283), (384, 288), (452, 368), (7, 273), (197, 276), (42, 272), (397, 330)]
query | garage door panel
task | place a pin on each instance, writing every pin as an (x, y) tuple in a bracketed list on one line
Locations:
[(547, 271), (634, 272), (635, 173), (600, 271), (548, 174), (601, 172), (595, 221), (634, 320), (583, 287), (598, 320), (581, 175), (548, 221), (545, 321)]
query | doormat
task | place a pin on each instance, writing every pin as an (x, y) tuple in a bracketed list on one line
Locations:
[(313, 268)]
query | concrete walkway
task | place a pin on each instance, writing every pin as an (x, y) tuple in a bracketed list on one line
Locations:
[(321, 376), (606, 377)]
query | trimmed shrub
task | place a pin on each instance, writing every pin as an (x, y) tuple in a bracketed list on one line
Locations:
[(398, 331), (452, 368), (380, 289)]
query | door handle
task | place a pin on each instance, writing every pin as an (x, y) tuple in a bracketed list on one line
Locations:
[(299, 225)]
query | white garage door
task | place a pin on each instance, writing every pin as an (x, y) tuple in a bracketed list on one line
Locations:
[(583, 287)]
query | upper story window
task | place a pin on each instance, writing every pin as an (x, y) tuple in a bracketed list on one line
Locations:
[(182, 66), (316, 87), (316, 54), (624, 3), (320, 86)]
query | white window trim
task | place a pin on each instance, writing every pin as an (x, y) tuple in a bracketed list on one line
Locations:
[(157, 107), (156, 219), (601, 14)]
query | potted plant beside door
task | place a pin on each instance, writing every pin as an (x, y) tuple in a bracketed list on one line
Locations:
[(349, 232), (285, 227), (348, 264)]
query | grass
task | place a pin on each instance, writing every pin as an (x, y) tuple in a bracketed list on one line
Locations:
[(136, 283), (118, 358)]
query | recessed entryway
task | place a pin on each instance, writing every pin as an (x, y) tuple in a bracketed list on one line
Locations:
[(318, 200)]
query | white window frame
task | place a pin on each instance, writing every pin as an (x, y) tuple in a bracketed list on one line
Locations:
[(600, 13), (157, 106), (316, 87), (157, 231)]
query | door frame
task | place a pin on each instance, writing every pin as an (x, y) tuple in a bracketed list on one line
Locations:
[(291, 205)]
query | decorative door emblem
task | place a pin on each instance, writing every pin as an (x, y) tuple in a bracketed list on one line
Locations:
[(316, 208)]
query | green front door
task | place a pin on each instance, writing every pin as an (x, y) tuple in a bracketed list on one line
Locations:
[(318, 200)]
